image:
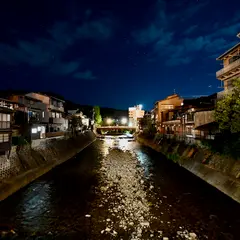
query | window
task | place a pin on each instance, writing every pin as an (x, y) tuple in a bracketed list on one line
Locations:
[(57, 115), (43, 114), (5, 120), (189, 130), (190, 117), (34, 130), (53, 114), (4, 138)]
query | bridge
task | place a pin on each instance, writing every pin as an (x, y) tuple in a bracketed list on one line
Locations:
[(114, 129)]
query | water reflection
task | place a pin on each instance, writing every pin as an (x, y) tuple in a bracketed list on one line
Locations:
[(144, 160), (116, 142), (127, 144), (35, 203)]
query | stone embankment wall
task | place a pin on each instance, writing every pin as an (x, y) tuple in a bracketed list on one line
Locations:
[(30, 162), (220, 171)]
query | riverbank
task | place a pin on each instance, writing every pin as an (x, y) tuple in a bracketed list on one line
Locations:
[(30, 163), (219, 171)]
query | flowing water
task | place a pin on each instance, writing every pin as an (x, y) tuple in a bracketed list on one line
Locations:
[(119, 190)]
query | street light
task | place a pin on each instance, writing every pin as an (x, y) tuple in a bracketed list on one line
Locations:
[(124, 121), (109, 121)]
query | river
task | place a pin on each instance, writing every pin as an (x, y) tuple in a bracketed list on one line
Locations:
[(119, 191)]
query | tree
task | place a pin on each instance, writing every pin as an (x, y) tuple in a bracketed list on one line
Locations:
[(227, 112), (75, 123), (147, 126), (97, 115)]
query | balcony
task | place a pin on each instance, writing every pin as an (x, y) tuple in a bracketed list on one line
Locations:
[(177, 121), (57, 120), (229, 71), (56, 108)]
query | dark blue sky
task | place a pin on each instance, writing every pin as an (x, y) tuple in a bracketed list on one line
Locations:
[(116, 53)]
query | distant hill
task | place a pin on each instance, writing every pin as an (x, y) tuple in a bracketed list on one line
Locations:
[(105, 112)]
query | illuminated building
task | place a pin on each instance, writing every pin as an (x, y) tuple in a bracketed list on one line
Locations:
[(134, 114)]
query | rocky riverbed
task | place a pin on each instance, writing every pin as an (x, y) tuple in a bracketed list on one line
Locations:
[(126, 197)]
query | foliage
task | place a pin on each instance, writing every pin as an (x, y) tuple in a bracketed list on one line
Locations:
[(225, 143), (227, 115), (227, 112), (25, 133), (149, 129), (97, 115), (75, 123)]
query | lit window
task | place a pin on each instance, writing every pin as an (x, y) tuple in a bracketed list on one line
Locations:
[(57, 115), (39, 129), (4, 120), (43, 114), (34, 130), (4, 117), (4, 138)]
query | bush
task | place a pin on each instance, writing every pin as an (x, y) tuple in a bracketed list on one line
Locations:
[(19, 140), (225, 144)]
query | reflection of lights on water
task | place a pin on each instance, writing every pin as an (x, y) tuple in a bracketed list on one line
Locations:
[(144, 160), (129, 135), (118, 143), (123, 142), (109, 141), (35, 204)]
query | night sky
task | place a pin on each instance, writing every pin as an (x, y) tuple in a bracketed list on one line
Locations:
[(115, 53)]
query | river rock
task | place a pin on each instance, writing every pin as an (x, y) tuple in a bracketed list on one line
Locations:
[(193, 236)]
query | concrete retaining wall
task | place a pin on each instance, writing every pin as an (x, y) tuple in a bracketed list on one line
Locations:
[(29, 163), (226, 178)]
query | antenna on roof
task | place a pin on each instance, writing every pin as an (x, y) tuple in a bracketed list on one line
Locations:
[(174, 91)]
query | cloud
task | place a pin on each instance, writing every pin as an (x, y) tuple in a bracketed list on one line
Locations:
[(49, 52), (87, 75), (193, 9), (153, 34), (190, 30), (64, 68), (25, 52), (100, 29), (66, 34), (229, 30), (169, 37), (195, 44), (178, 61)]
